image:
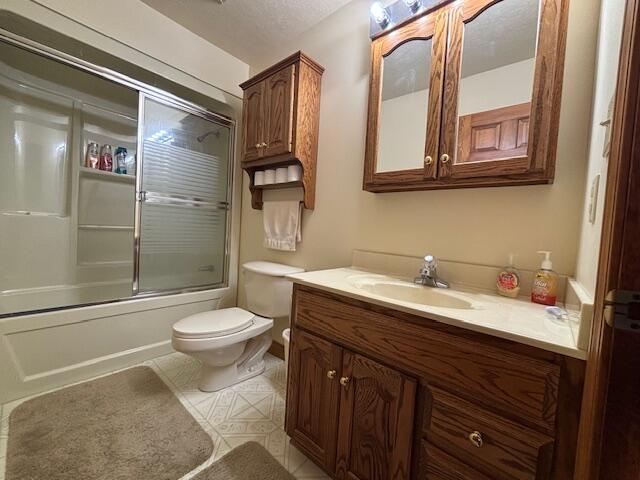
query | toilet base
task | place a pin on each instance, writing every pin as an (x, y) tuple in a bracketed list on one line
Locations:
[(250, 364)]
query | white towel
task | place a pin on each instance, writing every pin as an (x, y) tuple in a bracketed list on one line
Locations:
[(282, 221)]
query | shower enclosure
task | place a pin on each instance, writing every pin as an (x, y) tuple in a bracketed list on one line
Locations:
[(75, 235)]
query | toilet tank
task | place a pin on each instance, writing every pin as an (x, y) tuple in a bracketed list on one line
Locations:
[(268, 291)]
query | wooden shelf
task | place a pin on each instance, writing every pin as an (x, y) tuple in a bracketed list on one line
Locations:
[(275, 186), (104, 175)]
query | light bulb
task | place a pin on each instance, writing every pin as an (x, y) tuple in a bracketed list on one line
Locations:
[(380, 15), (412, 5)]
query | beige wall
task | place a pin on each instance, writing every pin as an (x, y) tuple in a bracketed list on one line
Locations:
[(612, 15), (84, 342), (136, 32), (471, 225)]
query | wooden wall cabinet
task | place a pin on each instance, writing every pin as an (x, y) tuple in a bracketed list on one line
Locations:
[(480, 97), (280, 123), (376, 394)]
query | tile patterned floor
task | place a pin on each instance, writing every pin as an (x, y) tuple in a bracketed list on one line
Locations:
[(251, 410)]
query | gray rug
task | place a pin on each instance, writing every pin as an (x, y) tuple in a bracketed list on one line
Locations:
[(249, 461), (125, 426)]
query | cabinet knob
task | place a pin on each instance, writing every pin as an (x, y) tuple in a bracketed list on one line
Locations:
[(444, 158), (344, 381), (476, 439), (258, 145), (263, 144), (428, 160), (331, 374)]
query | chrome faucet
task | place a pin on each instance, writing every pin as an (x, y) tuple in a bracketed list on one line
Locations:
[(429, 274)]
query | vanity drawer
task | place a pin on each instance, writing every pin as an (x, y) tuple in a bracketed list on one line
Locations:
[(514, 384), (438, 465), (515, 451)]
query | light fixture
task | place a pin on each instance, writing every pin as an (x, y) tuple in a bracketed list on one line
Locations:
[(380, 15), (412, 5)]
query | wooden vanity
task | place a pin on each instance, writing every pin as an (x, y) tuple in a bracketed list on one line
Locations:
[(375, 393)]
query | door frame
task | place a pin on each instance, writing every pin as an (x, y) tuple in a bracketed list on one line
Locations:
[(606, 360)]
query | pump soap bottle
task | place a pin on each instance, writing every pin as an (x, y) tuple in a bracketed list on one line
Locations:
[(508, 282), (545, 282)]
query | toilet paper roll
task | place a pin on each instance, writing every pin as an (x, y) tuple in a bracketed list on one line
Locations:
[(294, 173), (258, 178), (281, 175), (269, 176)]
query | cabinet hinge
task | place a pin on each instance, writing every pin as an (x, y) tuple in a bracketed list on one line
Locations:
[(622, 310)]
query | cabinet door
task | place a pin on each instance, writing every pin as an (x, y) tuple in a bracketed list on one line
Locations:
[(405, 103), (375, 431), (490, 73), (279, 111), (253, 120), (312, 396)]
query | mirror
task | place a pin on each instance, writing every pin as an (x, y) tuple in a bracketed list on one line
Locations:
[(496, 82), (404, 106)]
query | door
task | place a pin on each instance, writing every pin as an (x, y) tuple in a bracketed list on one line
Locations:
[(488, 94), (405, 102), (279, 111), (375, 430), (253, 122), (610, 423), (183, 199), (312, 396)]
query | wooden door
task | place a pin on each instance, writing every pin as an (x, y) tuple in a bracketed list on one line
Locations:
[(312, 396), (253, 122), (375, 431), (279, 111), (609, 440), (494, 134)]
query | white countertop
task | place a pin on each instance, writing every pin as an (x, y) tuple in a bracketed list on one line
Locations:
[(513, 319)]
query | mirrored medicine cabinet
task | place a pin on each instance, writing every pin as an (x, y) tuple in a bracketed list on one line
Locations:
[(466, 94)]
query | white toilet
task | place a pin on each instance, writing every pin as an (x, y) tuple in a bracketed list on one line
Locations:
[(231, 343)]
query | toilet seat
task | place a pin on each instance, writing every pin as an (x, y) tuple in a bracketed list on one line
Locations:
[(213, 324)]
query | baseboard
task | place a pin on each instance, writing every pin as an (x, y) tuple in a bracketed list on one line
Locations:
[(277, 350)]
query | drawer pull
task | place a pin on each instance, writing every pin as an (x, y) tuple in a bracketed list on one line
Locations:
[(331, 374), (344, 381), (476, 439)]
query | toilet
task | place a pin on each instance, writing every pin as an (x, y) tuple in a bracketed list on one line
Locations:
[(230, 343)]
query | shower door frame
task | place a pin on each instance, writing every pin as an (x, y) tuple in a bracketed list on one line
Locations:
[(142, 198), (145, 91)]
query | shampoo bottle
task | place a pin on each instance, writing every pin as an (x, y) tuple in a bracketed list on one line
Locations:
[(508, 282), (545, 282)]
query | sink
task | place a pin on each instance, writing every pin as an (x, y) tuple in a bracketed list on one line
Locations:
[(407, 292)]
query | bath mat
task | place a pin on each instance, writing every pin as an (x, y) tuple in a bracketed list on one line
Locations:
[(249, 461), (124, 426)]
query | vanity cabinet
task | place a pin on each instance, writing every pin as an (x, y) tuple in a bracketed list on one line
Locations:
[(280, 122), (377, 394), (466, 94), (337, 400)]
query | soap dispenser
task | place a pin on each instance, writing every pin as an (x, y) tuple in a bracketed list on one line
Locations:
[(545, 282), (508, 282)]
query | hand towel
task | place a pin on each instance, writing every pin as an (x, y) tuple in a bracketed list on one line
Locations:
[(282, 221)]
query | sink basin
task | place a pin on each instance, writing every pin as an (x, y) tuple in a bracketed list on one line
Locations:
[(407, 292)]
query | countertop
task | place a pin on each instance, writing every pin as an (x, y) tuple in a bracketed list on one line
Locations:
[(517, 319)]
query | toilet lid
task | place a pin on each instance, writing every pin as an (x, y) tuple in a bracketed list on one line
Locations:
[(216, 323)]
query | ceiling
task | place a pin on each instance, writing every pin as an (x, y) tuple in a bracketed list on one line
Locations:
[(247, 28), (503, 34)]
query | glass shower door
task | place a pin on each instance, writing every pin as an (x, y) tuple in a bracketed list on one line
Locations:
[(183, 198)]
